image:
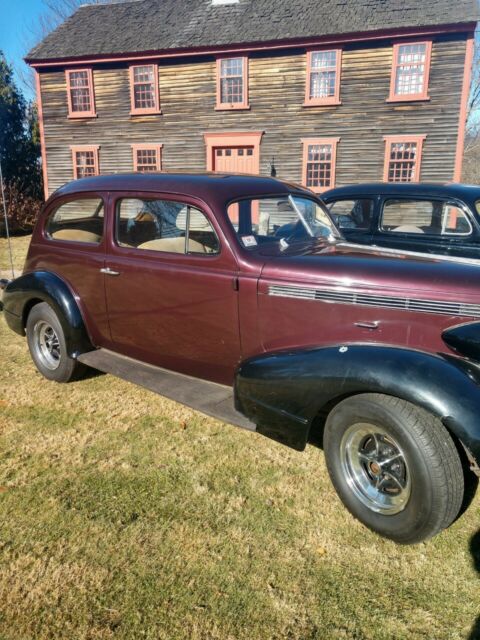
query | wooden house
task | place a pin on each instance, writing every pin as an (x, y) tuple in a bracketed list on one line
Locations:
[(319, 92)]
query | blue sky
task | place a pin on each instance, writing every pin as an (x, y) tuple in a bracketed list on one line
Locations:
[(16, 26)]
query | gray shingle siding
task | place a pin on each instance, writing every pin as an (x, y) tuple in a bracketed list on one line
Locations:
[(158, 25)]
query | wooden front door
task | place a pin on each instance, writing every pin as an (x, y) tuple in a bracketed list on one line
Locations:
[(235, 159)]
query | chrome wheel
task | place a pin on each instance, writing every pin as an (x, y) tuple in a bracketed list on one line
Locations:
[(375, 468), (46, 345)]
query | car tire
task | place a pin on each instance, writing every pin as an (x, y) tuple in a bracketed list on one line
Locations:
[(394, 466), (48, 346)]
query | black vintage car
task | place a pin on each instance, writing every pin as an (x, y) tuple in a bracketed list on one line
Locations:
[(420, 217)]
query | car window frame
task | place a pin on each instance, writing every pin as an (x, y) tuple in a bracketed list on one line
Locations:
[(452, 200), (116, 197), (53, 206)]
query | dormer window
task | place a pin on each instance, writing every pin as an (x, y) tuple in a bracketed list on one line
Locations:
[(232, 83)]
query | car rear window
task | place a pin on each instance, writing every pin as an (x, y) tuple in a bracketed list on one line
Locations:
[(429, 217), (78, 220)]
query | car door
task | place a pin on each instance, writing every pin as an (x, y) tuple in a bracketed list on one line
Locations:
[(354, 216), (74, 230), (170, 286), (440, 226)]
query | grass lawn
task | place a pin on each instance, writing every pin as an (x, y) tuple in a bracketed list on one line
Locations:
[(125, 515)]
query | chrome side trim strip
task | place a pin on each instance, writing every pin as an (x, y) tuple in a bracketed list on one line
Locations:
[(463, 309)]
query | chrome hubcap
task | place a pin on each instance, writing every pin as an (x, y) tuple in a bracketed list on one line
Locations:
[(46, 345), (375, 468)]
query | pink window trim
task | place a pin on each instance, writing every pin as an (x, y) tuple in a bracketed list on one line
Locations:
[(134, 111), (233, 139), (389, 140), (331, 100), (311, 141), (77, 148), (81, 114), (393, 97), (223, 106), (147, 147)]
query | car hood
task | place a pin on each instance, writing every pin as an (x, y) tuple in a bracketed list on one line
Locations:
[(344, 265)]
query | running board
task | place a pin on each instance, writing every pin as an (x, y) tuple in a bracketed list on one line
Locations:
[(215, 400)]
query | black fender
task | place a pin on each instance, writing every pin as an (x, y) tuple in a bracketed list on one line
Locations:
[(284, 392), (43, 286)]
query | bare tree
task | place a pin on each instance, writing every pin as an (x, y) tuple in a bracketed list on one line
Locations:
[(57, 11)]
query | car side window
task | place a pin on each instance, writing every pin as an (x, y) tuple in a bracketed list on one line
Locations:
[(77, 221), (164, 225), (356, 213), (429, 217)]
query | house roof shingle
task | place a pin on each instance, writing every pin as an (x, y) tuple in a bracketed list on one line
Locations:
[(158, 25)]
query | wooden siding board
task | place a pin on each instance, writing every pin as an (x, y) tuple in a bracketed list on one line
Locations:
[(276, 93)]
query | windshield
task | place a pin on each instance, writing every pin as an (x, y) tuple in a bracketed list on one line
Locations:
[(281, 220)]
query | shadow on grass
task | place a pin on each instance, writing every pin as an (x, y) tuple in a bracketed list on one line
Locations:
[(90, 373), (475, 552)]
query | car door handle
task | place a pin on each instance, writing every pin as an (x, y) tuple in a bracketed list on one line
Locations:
[(367, 325), (109, 272)]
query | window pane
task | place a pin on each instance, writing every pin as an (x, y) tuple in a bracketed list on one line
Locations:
[(402, 162), (77, 221), (231, 81), (265, 221), (231, 90), (147, 160), (429, 217), (322, 85), (322, 59), (352, 214), (319, 165), (144, 96), (79, 91), (412, 53), (454, 221), (85, 164), (232, 67), (143, 74), (409, 216), (410, 71), (161, 225), (323, 74), (144, 87), (79, 79)]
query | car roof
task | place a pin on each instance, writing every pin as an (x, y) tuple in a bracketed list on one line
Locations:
[(452, 190), (202, 185)]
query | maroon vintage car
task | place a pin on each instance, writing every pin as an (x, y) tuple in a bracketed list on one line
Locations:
[(181, 284)]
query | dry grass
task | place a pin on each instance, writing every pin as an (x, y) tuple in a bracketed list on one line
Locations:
[(124, 515), (19, 249)]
